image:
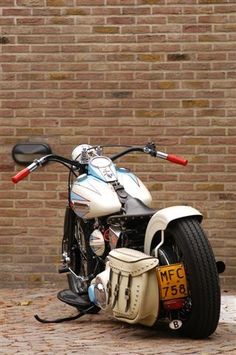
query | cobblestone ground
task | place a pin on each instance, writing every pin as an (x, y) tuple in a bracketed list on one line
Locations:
[(97, 334)]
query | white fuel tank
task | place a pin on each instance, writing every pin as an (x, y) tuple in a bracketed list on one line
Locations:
[(134, 186), (91, 197)]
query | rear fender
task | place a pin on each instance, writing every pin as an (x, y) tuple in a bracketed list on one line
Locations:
[(162, 218)]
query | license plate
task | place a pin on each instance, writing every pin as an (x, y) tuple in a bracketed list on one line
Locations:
[(172, 281)]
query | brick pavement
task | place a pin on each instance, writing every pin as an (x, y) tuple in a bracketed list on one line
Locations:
[(97, 334)]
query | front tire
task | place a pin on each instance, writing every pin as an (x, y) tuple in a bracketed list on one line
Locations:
[(76, 244), (188, 241)]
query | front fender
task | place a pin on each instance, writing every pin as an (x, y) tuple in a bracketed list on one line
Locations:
[(162, 218)]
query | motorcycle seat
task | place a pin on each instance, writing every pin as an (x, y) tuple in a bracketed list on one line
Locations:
[(134, 208)]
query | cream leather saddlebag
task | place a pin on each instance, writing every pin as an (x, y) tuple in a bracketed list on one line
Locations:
[(133, 294)]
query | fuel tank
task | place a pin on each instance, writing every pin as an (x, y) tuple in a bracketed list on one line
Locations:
[(94, 196), (91, 197), (134, 186)]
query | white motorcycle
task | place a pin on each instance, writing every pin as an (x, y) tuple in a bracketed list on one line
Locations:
[(123, 257)]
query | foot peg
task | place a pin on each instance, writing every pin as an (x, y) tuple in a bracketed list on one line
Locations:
[(63, 269)]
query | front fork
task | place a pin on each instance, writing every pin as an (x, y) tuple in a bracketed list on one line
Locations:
[(82, 281)]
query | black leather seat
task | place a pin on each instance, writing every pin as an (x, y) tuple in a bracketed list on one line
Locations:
[(134, 208)]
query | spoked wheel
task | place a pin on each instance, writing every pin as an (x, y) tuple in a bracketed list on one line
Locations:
[(186, 242), (76, 245)]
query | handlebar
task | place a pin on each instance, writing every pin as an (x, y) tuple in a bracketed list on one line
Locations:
[(21, 175), (177, 160), (42, 161), (150, 149)]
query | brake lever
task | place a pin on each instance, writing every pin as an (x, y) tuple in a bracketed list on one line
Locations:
[(150, 148)]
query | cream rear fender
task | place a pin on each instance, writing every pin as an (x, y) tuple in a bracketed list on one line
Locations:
[(162, 218)]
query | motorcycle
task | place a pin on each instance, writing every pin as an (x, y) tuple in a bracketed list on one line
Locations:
[(123, 257)]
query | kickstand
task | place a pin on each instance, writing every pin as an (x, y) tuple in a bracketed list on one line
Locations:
[(60, 320)]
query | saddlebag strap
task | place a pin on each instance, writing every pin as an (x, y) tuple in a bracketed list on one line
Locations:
[(128, 293), (109, 288), (116, 291)]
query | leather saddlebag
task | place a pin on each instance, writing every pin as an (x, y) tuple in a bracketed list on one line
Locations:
[(133, 294)]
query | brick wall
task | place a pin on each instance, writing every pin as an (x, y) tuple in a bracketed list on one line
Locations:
[(116, 71)]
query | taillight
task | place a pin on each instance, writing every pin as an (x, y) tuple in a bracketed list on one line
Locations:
[(171, 305)]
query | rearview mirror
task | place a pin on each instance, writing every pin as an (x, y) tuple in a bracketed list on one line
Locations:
[(26, 153)]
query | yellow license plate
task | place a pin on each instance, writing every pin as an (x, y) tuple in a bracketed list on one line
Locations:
[(172, 281)]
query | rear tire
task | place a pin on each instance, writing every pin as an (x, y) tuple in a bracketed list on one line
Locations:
[(191, 246)]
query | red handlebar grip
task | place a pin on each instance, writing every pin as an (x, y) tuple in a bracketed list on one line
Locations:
[(21, 175), (177, 160)]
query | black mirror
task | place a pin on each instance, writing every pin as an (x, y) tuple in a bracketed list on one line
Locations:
[(26, 153)]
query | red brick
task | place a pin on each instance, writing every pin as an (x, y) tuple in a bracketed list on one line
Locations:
[(31, 3), (6, 21), (6, 3), (57, 3), (16, 12), (30, 21)]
